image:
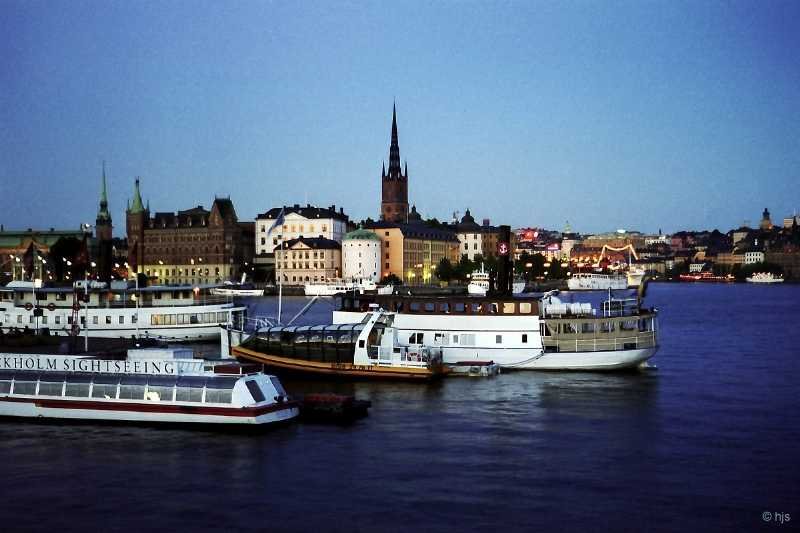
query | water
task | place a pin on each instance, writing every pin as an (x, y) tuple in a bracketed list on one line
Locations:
[(706, 441)]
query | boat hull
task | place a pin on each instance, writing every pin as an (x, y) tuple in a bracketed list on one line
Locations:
[(347, 370), (141, 412)]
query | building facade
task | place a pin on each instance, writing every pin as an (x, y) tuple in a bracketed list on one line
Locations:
[(299, 221), (361, 255), (308, 259), (413, 251), (394, 183), (194, 246)]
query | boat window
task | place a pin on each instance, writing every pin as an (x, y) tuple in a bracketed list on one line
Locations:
[(416, 338), (544, 330), (130, 392), (628, 325), (568, 328), (460, 307), (5, 386), (468, 339), (645, 324), (440, 338), (430, 307), (498, 339), (197, 382), (104, 390), (222, 382), (255, 391), (455, 339), (444, 307), (524, 338), (219, 396), (52, 377), (606, 327), (278, 386), (475, 307), (361, 343), (24, 387), (587, 327), (525, 308), (159, 393), (508, 308), (188, 394), (414, 307)]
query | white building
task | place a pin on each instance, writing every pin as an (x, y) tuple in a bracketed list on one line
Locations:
[(298, 221), (753, 257), (361, 255)]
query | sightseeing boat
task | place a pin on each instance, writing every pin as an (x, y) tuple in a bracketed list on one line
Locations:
[(177, 313), (764, 277), (518, 333), (140, 390), (367, 349), (592, 281), (237, 289)]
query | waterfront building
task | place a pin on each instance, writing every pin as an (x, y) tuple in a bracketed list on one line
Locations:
[(194, 246), (788, 260), (307, 259), (298, 221), (394, 183), (361, 255), (752, 257), (413, 251), (14, 244), (729, 259), (476, 239)]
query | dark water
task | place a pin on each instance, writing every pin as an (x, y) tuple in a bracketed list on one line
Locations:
[(708, 441)]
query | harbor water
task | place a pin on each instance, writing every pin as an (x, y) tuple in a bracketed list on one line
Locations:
[(707, 440)]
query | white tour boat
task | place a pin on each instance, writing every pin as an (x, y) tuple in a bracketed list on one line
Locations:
[(334, 287), (764, 277), (178, 313), (145, 388), (591, 281), (237, 289), (519, 333), (635, 277), (478, 283)]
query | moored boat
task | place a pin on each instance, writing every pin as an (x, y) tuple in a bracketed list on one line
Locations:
[(519, 333), (142, 390), (367, 349), (592, 281), (764, 277)]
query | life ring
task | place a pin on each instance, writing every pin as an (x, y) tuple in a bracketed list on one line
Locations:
[(51, 306), (76, 306), (28, 306)]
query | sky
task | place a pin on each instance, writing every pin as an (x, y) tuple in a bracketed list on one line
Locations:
[(642, 115)]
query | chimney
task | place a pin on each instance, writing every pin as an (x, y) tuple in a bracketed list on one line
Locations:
[(297, 206), (341, 210), (486, 222)]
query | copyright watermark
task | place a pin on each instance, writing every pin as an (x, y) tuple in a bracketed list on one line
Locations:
[(778, 518)]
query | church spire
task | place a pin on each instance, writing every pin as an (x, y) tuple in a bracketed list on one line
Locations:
[(394, 149), (136, 206), (102, 213)]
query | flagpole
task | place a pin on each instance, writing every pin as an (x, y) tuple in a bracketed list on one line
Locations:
[(136, 277), (280, 284)]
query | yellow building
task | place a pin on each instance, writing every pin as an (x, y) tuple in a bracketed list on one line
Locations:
[(413, 251)]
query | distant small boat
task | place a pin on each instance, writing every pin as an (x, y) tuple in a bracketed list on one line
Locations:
[(237, 289), (764, 277), (340, 286)]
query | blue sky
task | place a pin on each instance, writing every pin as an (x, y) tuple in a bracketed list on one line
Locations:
[(639, 114)]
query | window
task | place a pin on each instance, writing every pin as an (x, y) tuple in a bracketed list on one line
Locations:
[(455, 339), (94, 319), (121, 319), (58, 320), (525, 307), (524, 338), (498, 339), (255, 390), (416, 338), (24, 387), (108, 319)]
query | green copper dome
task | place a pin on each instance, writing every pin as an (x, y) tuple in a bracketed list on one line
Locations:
[(361, 234)]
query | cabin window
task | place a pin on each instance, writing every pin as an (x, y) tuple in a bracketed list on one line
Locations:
[(44, 320), (104, 390), (645, 324), (414, 307), (61, 297), (460, 307), (416, 338), (58, 319), (222, 317), (193, 319), (568, 328), (133, 319), (131, 392), (218, 396), (544, 330), (587, 327), (524, 338), (108, 319), (430, 307), (361, 343), (50, 389), (77, 389), (493, 308), (5, 387), (278, 387), (24, 387), (525, 308), (95, 319), (255, 391), (455, 339), (508, 308), (159, 393), (189, 394), (440, 338), (628, 325), (498, 339), (475, 308), (468, 339), (606, 327), (19, 319)]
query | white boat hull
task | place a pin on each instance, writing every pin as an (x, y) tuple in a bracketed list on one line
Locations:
[(597, 283), (236, 292)]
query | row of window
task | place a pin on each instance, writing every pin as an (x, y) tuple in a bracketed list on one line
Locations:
[(111, 391), (189, 318), (457, 339), (57, 319)]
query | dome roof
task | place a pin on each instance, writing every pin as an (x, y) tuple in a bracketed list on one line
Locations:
[(361, 234)]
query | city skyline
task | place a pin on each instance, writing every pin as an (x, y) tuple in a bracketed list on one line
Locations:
[(665, 116)]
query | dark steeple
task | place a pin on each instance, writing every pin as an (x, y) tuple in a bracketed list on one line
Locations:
[(102, 213), (394, 149)]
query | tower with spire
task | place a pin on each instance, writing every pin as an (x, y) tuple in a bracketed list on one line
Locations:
[(103, 233), (394, 183), (136, 217)]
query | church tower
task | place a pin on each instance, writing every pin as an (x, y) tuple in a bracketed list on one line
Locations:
[(135, 219), (394, 199), (103, 233)]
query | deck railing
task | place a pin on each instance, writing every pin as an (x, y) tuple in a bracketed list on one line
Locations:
[(645, 339)]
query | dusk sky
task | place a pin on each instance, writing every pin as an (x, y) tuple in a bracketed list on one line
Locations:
[(642, 115)]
